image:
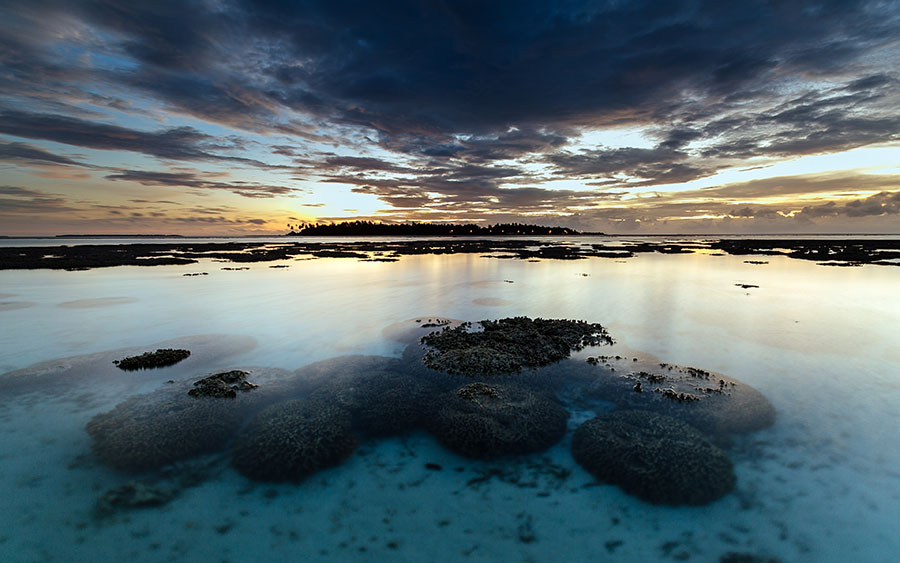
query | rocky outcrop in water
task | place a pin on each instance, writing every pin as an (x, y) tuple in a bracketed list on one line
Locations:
[(161, 358), (482, 421), (657, 458), (225, 385), (508, 345)]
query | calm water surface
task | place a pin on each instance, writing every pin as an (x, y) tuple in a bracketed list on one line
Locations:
[(819, 342)]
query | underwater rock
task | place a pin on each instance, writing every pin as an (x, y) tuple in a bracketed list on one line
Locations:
[(507, 345), (657, 458), (132, 495), (735, 557), (155, 429), (161, 358), (711, 402), (342, 368), (482, 421), (291, 440), (381, 403), (222, 385)]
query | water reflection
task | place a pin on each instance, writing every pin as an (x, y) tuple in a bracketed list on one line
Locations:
[(817, 342)]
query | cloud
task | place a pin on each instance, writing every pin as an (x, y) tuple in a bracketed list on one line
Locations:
[(178, 143), (454, 106), (196, 181), (15, 200), (23, 152), (883, 203), (659, 165)]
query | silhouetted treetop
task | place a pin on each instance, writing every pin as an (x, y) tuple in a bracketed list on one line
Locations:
[(370, 228)]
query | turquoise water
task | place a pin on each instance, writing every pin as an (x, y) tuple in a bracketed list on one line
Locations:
[(819, 342)]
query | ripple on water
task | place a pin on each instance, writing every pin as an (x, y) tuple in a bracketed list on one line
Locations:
[(15, 305), (491, 302), (100, 302)]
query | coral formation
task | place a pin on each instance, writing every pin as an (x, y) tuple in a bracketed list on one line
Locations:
[(155, 429), (384, 403), (654, 457), (507, 345), (713, 403), (223, 385), (161, 358), (290, 440), (481, 421)]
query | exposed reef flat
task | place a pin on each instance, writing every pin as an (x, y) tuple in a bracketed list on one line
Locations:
[(506, 346), (847, 252), (162, 357)]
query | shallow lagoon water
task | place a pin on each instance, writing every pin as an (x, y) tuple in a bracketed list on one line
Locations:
[(819, 342)]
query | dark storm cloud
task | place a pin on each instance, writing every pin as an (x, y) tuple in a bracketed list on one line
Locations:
[(466, 93), (177, 144), (659, 165), (417, 67), (197, 181)]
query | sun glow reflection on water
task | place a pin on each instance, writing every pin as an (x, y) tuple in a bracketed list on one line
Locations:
[(818, 341)]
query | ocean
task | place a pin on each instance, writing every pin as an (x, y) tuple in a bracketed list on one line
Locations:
[(819, 343)]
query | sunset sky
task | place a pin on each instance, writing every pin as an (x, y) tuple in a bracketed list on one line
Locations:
[(229, 117)]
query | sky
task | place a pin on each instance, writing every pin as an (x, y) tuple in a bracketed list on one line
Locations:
[(228, 117)]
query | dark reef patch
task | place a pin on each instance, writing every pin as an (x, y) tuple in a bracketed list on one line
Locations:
[(222, 385), (482, 421), (507, 345), (713, 403), (162, 357), (654, 457), (83, 257), (382, 403), (291, 440), (152, 430)]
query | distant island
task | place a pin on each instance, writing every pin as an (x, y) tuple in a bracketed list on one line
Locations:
[(370, 228)]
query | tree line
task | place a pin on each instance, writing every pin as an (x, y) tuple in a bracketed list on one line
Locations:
[(371, 228)]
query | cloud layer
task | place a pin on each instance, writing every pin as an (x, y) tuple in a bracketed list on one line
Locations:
[(454, 109)]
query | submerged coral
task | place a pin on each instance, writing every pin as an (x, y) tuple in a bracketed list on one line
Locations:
[(155, 429), (480, 420), (384, 403), (654, 457), (161, 358), (507, 345), (290, 440), (713, 403)]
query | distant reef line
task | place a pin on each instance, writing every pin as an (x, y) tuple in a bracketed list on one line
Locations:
[(843, 252), (371, 228)]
